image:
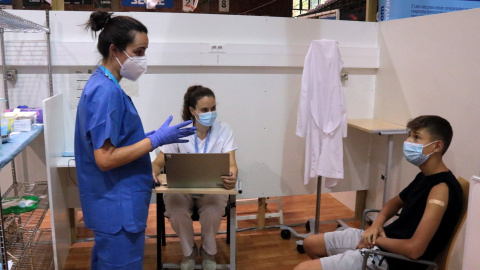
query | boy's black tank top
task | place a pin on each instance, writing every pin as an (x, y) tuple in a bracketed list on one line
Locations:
[(415, 197)]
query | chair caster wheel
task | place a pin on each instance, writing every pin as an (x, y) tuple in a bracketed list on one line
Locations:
[(300, 249), (285, 234), (307, 226)]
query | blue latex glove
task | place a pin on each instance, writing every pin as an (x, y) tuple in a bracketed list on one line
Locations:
[(168, 135), (149, 133)]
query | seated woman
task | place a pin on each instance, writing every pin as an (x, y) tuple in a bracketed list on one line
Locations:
[(211, 137)]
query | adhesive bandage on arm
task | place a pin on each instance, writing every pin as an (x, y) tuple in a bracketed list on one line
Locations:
[(442, 204)]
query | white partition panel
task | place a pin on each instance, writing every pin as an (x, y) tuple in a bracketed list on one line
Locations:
[(261, 106), (57, 187), (429, 65)]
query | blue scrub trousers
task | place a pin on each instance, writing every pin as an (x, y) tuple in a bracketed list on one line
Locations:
[(120, 251)]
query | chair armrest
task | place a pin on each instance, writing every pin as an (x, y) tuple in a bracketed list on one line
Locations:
[(395, 256), (238, 186), (364, 216)]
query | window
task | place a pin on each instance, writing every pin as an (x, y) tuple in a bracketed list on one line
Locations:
[(302, 6)]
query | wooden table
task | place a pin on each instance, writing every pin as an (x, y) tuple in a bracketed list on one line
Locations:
[(382, 128)]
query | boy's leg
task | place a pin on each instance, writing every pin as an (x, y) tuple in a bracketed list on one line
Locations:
[(309, 265), (314, 246), (328, 244), (337, 251), (351, 260), (338, 242), (331, 243)]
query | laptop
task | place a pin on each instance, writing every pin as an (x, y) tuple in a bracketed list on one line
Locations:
[(196, 170)]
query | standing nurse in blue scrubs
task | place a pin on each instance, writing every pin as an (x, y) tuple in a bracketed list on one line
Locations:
[(111, 149)]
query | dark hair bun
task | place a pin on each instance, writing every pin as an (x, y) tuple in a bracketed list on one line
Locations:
[(98, 20)]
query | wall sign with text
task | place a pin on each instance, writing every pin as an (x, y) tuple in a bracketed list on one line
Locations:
[(398, 9), (142, 3), (189, 5), (224, 5), (78, 2)]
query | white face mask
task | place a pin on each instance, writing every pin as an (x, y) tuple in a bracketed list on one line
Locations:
[(133, 67), (413, 152), (207, 119)]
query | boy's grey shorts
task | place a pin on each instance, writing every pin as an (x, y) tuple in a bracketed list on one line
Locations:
[(343, 255)]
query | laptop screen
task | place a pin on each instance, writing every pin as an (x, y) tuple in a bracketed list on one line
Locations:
[(196, 170)]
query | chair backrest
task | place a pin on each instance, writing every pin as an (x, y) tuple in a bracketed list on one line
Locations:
[(443, 258)]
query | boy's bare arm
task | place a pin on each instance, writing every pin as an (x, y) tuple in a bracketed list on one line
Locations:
[(376, 230)]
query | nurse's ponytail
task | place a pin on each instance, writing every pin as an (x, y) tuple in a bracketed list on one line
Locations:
[(193, 94), (98, 20), (117, 30)]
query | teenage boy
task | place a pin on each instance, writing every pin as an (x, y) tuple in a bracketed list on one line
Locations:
[(430, 206)]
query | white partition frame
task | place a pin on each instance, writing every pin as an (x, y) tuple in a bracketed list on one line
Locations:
[(57, 186), (472, 243)]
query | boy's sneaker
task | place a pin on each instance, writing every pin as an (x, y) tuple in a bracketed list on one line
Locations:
[(208, 261), (188, 262)]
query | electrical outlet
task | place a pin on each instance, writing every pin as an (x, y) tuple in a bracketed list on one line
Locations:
[(218, 48), (11, 74)]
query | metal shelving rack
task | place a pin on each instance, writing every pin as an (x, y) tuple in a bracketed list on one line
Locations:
[(32, 248)]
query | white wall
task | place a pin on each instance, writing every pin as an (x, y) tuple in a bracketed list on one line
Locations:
[(430, 65), (257, 83)]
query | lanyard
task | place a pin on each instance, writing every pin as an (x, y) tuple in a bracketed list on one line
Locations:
[(206, 141), (109, 75)]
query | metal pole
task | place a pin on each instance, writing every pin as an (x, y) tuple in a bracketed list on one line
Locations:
[(4, 67), (317, 207), (3, 248), (14, 176), (233, 225), (161, 210), (388, 168), (5, 85), (49, 55), (371, 10)]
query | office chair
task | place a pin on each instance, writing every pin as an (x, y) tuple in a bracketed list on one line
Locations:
[(443, 259)]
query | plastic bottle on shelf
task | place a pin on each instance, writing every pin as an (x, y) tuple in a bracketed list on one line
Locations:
[(26, 203)]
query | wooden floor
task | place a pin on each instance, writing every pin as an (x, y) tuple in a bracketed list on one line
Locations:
[(256, 249)]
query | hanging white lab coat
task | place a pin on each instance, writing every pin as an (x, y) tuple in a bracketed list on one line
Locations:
[(322, 114)]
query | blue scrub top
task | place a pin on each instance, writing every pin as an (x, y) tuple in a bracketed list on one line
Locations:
[(119, 197)]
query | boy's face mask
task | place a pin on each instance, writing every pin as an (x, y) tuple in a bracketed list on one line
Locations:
[(413, 152), (133, 67)]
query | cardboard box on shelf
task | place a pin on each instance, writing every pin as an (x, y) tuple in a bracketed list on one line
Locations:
[(24, 120)]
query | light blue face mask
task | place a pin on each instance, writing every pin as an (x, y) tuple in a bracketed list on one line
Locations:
[(207, 119), (413, 152)]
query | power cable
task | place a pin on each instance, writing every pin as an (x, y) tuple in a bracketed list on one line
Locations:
[(257, 7)]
